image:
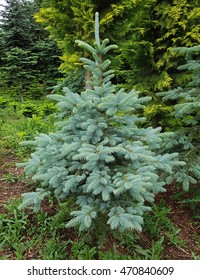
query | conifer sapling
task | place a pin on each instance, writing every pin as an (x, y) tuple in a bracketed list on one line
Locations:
[(186, 138), (100, 155)]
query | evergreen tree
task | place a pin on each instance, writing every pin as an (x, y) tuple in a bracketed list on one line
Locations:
[(18, 69), (146, 31), (2, 44), (18, 23), (66, 20), (146, 59), (27, 54), (155, 29), (100, 156), (186, 138)]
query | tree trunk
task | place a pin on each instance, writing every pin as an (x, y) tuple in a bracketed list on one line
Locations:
[(88, 77)]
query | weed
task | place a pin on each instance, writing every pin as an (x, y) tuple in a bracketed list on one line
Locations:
[(127, 239), (13, 225), (19, 250), (154, 253), (174, 239), (59, 220), (12, 207), (54, 249), (3, 257), (195, 257), (190, 198), (43, 220), (158, 221), (81, 251), (113, 254), (9, 178)]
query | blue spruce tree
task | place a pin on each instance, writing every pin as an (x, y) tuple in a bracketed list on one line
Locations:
[(186, 137), (101, 156)]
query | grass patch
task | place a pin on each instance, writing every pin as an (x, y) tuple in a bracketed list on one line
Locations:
[(43, 236)]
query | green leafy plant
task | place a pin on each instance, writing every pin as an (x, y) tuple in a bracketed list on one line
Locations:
[(191, 198), (174, 239), (155, 253), (82, 251), (158, 221), (10, 178), (53, 249), (16, 127), (113, 254), (195, 256), (58, 221), (13, 225)]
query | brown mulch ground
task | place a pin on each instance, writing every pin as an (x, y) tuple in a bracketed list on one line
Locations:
[(180, 215), (183, 219), (10, 189)]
